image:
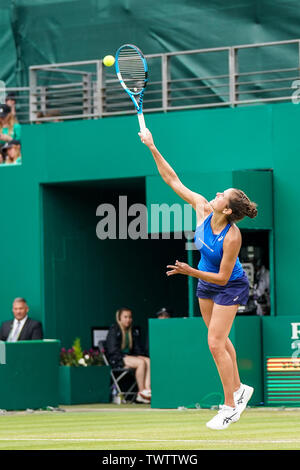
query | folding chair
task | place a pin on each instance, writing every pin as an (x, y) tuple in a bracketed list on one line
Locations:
[(119, 376)]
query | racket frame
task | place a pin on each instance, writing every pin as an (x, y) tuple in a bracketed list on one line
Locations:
[(138, 105)]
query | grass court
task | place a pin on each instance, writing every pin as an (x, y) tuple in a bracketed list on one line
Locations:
[(138, 427)]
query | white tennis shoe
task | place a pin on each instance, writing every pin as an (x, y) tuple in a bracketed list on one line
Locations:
[(226, 415), (242, 396)]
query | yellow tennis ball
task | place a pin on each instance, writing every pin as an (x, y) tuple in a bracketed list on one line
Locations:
[(108, 60)]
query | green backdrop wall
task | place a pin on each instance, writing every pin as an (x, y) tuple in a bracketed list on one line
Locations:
[(69, 168)]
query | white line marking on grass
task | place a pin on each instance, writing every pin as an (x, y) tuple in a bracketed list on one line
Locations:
[(215, 441)]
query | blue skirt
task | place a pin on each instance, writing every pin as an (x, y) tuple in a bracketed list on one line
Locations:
[(235, 292)]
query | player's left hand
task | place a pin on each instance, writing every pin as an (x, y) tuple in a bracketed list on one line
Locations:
[(179, 268)]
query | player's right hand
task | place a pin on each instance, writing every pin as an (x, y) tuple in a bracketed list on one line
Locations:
[(146, 138)]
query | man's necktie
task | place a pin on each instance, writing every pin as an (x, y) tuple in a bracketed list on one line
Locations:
[(15, 334)]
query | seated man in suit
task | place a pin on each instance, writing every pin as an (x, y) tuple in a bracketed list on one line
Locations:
[(22, 328)]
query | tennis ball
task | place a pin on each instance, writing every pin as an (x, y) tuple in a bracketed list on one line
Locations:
[(108, 60)]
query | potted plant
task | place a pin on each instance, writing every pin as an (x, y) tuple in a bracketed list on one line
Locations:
[(83, 377)]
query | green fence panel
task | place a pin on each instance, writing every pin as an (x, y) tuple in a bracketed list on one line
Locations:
[(29, 378)]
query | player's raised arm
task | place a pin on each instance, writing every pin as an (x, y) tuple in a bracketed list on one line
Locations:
[(169, 176)]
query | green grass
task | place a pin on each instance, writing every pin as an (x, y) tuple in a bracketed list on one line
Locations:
[(134, 427)]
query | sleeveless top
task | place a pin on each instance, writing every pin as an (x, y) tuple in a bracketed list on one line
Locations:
[(210, 246)]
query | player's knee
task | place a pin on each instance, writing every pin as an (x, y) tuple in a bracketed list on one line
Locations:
[(216, 346)]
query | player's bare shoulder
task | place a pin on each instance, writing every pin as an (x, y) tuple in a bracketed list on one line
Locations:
[(233, 236), (203, 209)]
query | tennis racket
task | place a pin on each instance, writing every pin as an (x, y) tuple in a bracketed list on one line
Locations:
[(132, 71)]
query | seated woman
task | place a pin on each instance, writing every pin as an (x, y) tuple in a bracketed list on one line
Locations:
[(124, 350)]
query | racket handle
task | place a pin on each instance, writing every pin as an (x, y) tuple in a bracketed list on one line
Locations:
[(141, 122)]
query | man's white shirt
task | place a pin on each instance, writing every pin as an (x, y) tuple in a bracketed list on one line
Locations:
[(15, 327)]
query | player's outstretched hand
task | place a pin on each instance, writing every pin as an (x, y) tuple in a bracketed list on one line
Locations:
[(179, 268), (146, 138)]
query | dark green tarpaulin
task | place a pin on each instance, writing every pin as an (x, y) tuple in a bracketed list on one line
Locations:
[(8, 58), (45, 31)]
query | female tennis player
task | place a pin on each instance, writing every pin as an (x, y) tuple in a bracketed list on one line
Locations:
[(223, 284)]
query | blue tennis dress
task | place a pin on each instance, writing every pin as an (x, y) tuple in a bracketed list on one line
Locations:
[(210, 245)]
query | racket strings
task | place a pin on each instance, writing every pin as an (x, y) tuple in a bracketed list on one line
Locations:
[(132, 69)]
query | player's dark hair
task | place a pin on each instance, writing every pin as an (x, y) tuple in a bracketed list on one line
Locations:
[(241, 207)]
